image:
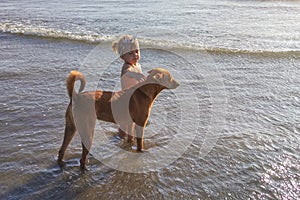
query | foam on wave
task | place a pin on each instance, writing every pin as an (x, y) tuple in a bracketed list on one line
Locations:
[(51, 33), (96, 38)]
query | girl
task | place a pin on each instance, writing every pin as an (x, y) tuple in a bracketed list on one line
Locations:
[(127, 47)]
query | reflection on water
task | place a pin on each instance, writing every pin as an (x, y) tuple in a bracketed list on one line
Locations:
[(256, 155)]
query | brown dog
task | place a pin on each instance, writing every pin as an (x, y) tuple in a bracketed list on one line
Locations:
[(122, 107)]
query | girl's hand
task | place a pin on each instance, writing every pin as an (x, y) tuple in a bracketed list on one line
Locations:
[(140, 77)]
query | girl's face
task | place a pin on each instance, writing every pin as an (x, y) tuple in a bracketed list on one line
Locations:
[(131, 57)]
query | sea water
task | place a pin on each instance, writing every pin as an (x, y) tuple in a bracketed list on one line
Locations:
[(233, 122)]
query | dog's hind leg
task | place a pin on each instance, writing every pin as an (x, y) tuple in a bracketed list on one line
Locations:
[(70, 130), (84, 160)]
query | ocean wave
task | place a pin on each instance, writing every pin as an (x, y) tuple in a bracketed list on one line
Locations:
[(40, 31), (96, 38), (184, 46)]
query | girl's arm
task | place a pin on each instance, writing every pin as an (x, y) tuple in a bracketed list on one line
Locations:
[(135, 75)]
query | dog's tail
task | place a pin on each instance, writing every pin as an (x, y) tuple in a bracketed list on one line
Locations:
[(74, 76)]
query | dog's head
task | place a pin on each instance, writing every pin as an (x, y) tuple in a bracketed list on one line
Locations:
[(163, 77)]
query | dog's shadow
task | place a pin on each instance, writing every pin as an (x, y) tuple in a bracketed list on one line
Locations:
[(66, 181), (113, 138), (110, 133)]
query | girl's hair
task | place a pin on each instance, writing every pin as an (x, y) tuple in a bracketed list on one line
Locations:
[(125, 44)]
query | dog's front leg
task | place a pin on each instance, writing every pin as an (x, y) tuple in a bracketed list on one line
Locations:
[(140, 137)]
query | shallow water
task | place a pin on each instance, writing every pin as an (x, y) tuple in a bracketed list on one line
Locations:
[(234, 119), (256, 154)]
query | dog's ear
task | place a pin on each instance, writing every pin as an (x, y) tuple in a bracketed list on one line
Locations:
[(153, 71), (158, 76), (155, 74)]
